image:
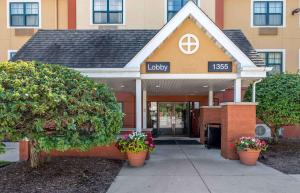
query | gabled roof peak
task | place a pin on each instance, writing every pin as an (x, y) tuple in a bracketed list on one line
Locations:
[(191, 10)]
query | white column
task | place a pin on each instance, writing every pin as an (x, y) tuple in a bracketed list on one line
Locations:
[(138, 105), (238, 90), (210, 97), (144, 109)]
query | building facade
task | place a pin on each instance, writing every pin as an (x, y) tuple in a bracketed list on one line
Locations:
[(20, 19), (273, 27), (165, 79), (173, 86)]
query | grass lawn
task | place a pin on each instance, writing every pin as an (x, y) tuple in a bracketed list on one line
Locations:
[(284, 156), (3, 163), (63, 175)]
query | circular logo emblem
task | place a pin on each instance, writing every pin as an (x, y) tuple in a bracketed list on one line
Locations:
[(189, 44)]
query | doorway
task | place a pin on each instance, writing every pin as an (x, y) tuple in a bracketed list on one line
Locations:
[(172, 118), (169, 118)]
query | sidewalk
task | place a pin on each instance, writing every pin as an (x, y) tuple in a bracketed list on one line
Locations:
[(194, 169), (11, 152)]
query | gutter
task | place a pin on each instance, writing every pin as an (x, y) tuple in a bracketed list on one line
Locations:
[(254, 90)]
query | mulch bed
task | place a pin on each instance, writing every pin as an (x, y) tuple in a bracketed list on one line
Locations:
[(284, 156), (60, 175)]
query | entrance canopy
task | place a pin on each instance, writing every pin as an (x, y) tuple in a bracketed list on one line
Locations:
[(171, 87)]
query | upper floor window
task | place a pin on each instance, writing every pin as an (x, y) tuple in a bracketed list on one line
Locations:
[(273, 59), (24, 14), (11, 54), (107, 11), (268, 13), (175, 5)]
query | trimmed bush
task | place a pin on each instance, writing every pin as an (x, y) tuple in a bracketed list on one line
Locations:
[(278, 98), (55, 108)]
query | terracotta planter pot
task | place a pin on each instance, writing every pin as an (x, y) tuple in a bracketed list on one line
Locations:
[(137, 159), (249, 157)]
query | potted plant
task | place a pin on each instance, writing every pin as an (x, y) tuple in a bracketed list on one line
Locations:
[(136, 147), (249, 148)]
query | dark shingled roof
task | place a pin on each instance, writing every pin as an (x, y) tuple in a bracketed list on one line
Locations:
[(240, 40), (101, 48)]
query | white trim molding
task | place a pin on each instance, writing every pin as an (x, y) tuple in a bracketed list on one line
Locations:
[(166, 9), (107, 24), (23, 1), (277, 50), (283, 15), (188, 44), (109, 72), (190, 10), (188, 76)]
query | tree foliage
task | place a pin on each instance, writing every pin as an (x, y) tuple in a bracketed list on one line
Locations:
[(278, 98), (55, 107)]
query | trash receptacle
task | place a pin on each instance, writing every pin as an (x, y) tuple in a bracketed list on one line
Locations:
[(213, 132)]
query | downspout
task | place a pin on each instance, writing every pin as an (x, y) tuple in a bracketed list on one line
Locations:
[(254, 90)]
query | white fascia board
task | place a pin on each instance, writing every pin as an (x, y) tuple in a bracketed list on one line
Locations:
[(109, 72), (188, 76), (190, 9), (95, 70), (254, 72)]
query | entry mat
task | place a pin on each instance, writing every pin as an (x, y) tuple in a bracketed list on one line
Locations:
[(176, 142)]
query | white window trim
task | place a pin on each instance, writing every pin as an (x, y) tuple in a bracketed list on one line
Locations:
[(107, 24), (166, 9), (9, 52), (25, 1), (283, 14), (276, 50)]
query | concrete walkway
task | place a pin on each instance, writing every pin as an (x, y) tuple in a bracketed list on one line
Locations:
[(194, 169), (11, 152)]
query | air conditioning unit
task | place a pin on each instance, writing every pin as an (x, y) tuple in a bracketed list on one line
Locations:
[(263, 131)]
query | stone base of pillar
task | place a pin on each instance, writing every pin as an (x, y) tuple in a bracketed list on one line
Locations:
[(238, 120)]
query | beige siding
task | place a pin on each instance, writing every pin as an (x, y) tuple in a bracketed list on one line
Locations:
[(288, 37), (8, 38), (139, 14)]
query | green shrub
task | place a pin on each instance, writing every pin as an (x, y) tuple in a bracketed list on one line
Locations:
[(55, 107), (278, 98)]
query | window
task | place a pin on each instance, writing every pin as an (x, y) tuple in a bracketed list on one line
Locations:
[(273, 59), (11, 54), (175, 5), (268, 13), (107, 11), (24, 14)]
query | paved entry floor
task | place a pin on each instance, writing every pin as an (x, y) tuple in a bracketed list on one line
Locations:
[(194, 169)]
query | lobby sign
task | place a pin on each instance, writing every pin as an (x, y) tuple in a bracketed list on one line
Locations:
[(158, 67), (219, 66)]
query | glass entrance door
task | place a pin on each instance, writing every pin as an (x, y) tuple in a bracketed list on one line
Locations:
[(173, 119)]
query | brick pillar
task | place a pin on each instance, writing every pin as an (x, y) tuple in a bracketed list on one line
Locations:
[(220, 13), (71, 14), (24, 151), (238, 119), (208, 115)]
